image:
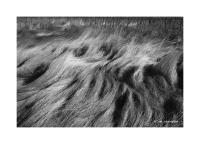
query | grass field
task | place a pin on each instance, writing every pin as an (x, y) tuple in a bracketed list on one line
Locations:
[(100, 72), (167, 28)]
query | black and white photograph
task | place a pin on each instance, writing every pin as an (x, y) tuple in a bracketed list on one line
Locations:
[(100, 72)]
